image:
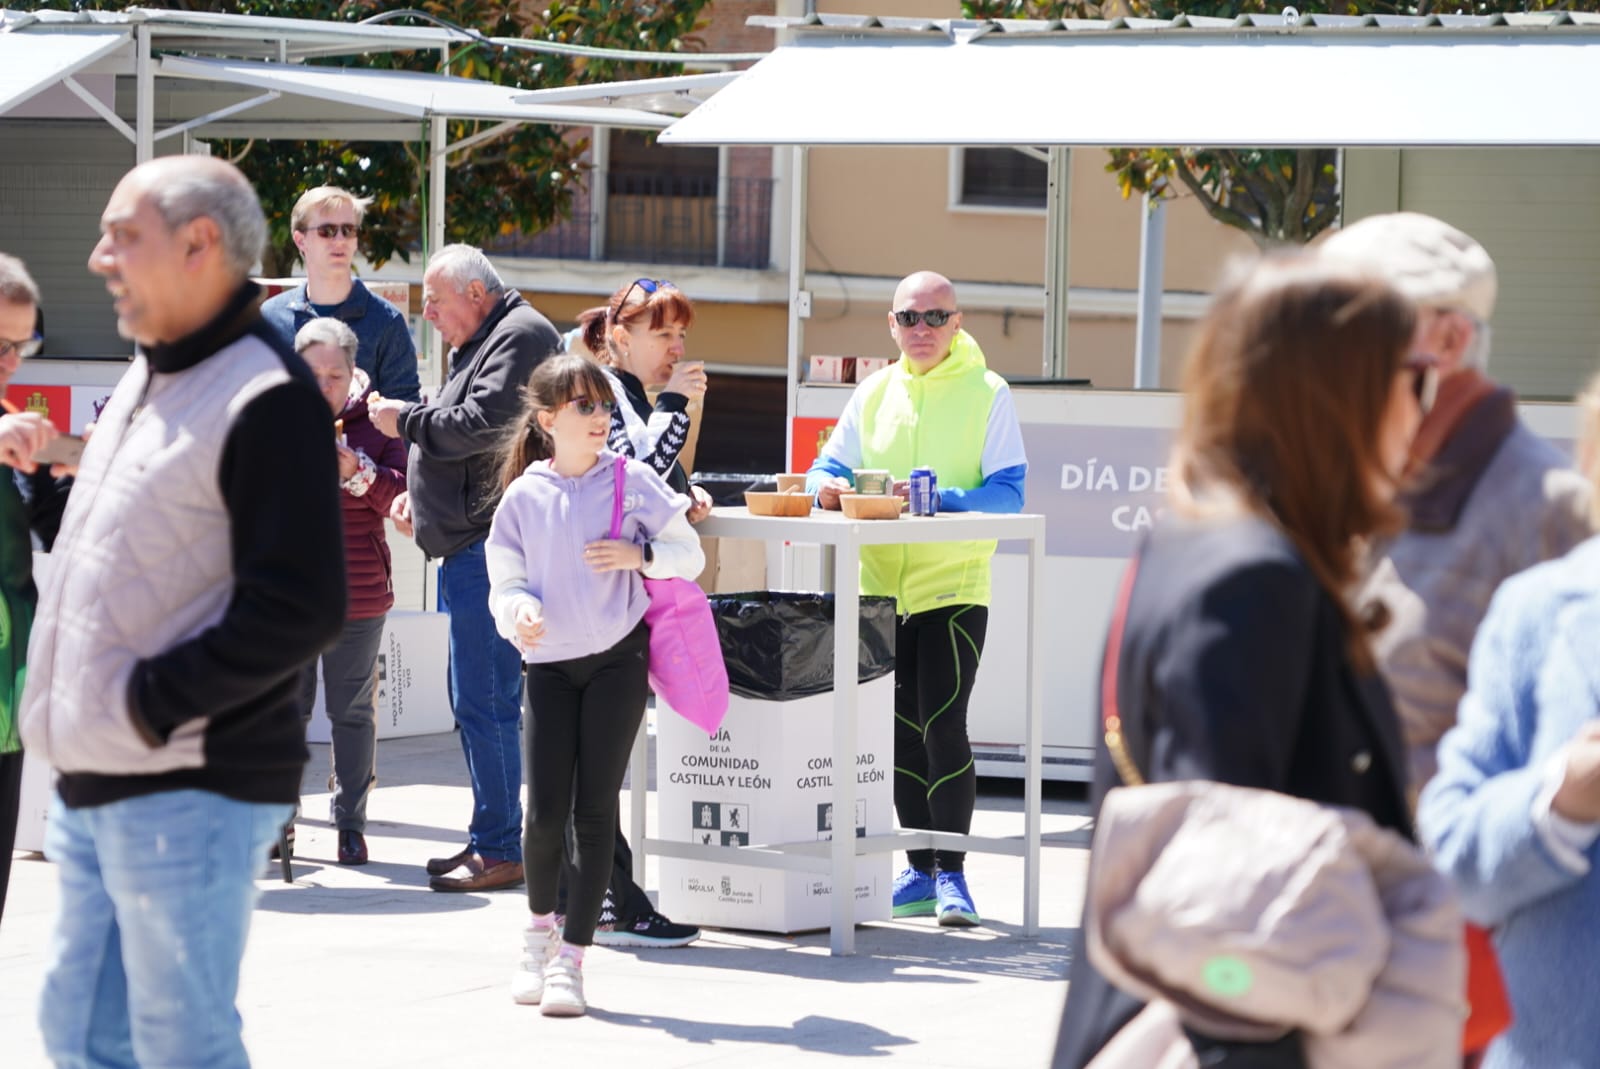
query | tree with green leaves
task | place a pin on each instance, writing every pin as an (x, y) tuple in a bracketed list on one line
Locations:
[(1277, 196), (521, 181)]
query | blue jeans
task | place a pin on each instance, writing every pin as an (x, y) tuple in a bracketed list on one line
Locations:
[(486, 698), (156, 896)]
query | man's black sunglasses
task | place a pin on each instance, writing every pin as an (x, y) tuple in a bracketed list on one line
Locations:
[(934, 317), (329, 231)]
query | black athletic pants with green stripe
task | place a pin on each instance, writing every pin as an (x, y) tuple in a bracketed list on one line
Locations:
[(935, 784)]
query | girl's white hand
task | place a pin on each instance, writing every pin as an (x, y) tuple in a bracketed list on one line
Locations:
[(613, 555), (700, 506), (530, 628)]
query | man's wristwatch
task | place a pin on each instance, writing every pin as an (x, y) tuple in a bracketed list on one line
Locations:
[(649, 556)]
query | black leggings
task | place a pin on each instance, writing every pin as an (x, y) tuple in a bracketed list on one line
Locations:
[(935, 784), (10, 809), (579, 721)]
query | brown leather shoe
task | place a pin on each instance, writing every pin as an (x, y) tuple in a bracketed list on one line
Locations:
[(438, 866), (478, 876)]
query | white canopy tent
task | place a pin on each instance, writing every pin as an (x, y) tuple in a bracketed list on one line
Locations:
[(30, 65), (1357, 87), (1255, 81), (235, 76)]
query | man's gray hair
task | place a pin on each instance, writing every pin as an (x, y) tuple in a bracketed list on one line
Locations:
[(327, 330), (16, 285), (203, 187), (463, 264)]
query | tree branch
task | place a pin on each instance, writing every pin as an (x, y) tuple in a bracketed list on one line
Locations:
[(1215, 208)]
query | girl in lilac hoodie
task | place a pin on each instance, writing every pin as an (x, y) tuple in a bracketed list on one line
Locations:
[(572, 600)]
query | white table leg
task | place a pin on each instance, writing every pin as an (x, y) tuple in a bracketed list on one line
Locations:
[(638, 782), (846, 644), (1033, 759)]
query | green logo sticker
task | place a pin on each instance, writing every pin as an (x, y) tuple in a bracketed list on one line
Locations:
[(1227, 976)]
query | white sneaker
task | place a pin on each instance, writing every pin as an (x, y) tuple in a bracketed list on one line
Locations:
[(527, 983), (563, 988)]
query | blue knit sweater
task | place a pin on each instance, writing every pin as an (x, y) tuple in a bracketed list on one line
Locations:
[(1533, 679)]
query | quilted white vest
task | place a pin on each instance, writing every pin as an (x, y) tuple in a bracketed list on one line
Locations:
[(142, 562)]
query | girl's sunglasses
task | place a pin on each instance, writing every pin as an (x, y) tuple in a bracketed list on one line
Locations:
[(587, 405), (1424, 380)]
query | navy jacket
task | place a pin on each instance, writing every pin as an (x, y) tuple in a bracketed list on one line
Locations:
[(385, 350), (1234, 668)]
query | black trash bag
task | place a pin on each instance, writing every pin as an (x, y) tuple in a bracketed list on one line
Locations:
[(779, 646)]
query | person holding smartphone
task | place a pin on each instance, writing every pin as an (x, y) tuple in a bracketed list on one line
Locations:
[(30, 504)]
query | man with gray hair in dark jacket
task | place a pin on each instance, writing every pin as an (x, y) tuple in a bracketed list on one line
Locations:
[(496, 339)]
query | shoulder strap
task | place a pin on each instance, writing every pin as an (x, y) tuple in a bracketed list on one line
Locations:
[(1109, 714), (619, 479)]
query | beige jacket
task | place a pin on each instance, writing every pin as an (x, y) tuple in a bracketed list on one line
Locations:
[(1246, 914), (1496, 499)]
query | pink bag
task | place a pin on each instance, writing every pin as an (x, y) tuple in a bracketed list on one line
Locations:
[(686, 669)]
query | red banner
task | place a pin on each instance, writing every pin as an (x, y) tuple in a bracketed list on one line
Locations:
[(52, 402), (808, 435)]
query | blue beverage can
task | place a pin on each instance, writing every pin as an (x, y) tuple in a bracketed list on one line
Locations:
[(924, 491)]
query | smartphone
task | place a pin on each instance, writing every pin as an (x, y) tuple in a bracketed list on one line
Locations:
[(66, 449)]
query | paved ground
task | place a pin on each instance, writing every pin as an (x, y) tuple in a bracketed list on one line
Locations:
[(364, 967)]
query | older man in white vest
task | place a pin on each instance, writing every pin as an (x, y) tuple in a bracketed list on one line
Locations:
[(198, 569)]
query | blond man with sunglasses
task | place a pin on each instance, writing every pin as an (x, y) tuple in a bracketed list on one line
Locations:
[(327, 227)]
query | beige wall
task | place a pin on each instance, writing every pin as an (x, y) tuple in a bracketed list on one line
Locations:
[(887, 212), (882, 213)]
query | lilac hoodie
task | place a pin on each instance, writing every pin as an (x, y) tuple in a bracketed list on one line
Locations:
[(535, 554)]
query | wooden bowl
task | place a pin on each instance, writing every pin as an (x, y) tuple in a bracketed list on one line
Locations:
[(771, 504), (871, 506)]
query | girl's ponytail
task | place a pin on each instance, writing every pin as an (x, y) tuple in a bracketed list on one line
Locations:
[(592, 325), (523, 444)]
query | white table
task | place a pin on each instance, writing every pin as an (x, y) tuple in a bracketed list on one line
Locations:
[(837, 857)]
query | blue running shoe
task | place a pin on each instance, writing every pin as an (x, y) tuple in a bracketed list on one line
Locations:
[(914, 895), (955, 902)]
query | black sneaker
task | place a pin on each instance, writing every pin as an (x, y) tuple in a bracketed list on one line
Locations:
[(650, 930)]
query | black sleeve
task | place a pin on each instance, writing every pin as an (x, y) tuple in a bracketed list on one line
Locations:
[(1233, 679), (46, 503), (475, 424), (279, 478), (1285, 1053)]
